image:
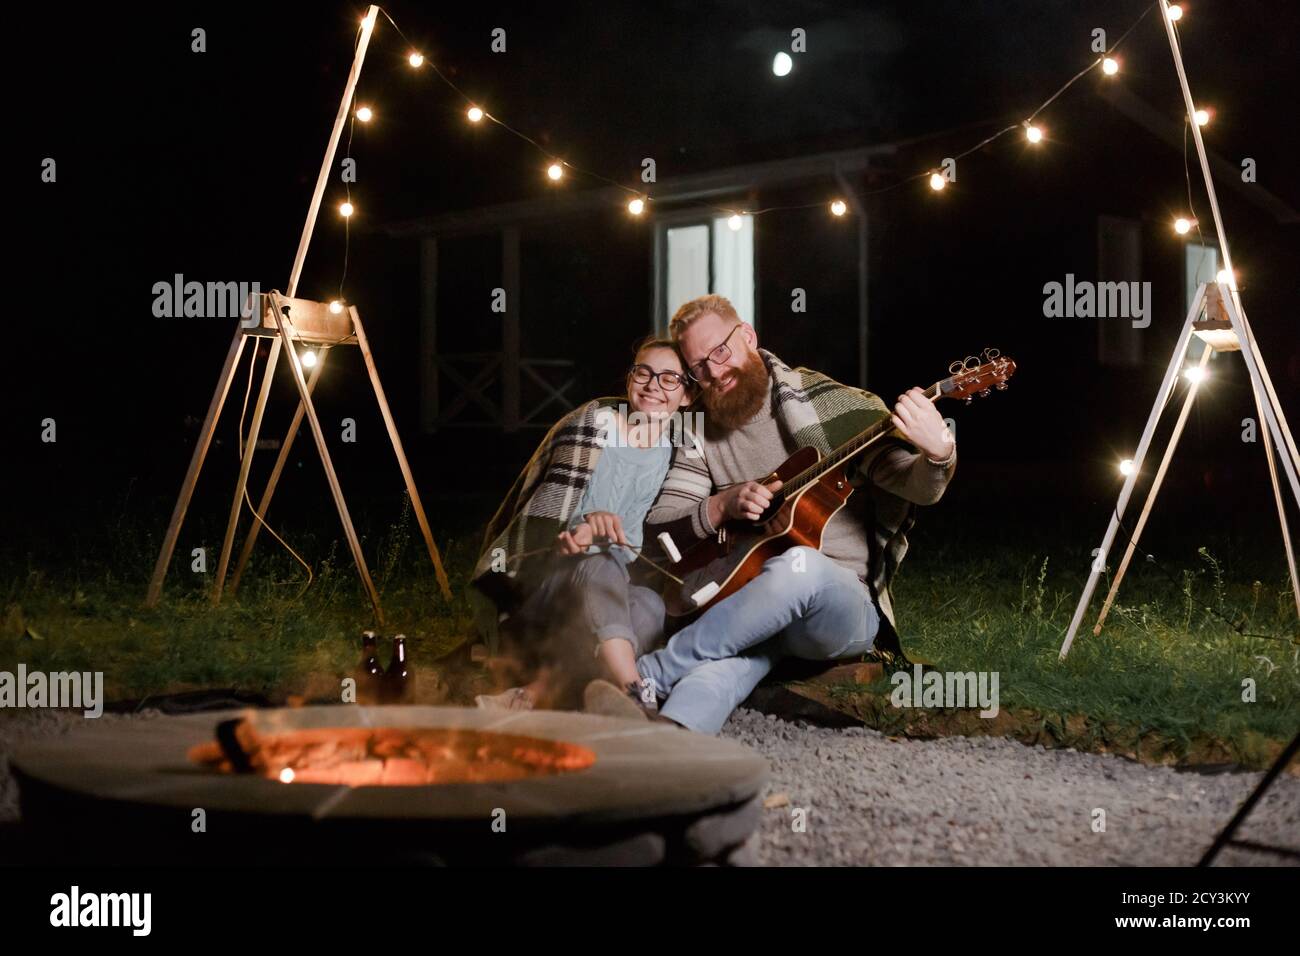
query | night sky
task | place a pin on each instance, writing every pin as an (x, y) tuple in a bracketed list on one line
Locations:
[(202, 164)]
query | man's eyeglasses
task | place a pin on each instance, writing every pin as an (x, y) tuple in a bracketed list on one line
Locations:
[(669, 381), (718, 356)]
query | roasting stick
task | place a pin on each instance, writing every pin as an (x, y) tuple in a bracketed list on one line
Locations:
[(668, 546)]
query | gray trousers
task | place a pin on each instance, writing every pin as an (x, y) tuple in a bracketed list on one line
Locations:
[(588, 599)]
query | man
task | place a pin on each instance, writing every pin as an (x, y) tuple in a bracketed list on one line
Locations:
[(817, 605)]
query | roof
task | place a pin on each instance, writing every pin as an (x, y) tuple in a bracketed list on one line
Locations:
[(695, 186)]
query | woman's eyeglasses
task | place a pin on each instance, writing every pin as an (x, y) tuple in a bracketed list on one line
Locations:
[(668, 380)]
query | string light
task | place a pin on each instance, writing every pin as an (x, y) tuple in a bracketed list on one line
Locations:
[(1183, 226), (782, 65), (1202, 117), (1224, 277), (1126, 467), (1195, 374), (336, 306), (308, 359), (287, 775)]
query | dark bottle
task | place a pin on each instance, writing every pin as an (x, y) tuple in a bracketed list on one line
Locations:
[(396, 684), (370, 673)]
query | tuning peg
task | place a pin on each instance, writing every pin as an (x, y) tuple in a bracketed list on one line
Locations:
[(985, 392), (969, 399), (1002, 386)]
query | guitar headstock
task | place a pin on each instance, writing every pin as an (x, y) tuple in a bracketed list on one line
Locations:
[(977, 375)]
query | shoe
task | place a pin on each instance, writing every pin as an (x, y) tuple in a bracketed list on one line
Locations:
[(516, 698), (602, 697)]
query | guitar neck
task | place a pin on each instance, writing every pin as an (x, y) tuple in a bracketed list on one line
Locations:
[(855, 445)]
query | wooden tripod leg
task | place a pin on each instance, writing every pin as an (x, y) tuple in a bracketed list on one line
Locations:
[(245, 464), (196, 465), (402, 463), (335, 489), (1151, 494), (246, 550), (1166, 389), (1281, 507)]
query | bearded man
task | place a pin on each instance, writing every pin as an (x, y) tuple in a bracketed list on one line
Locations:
[(817, 605)]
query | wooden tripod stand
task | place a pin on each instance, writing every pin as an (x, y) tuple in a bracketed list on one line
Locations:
[(1222, 328), (290, 321), (286, 321)]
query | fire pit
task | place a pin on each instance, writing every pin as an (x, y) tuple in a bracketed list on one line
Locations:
[(391, 784)]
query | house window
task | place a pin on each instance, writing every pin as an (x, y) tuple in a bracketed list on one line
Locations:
[(700, 256)]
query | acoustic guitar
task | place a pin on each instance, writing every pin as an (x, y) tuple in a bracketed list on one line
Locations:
[(813, 489)]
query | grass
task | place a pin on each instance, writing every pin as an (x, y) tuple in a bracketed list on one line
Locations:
[(88, 614), (1164, 680)]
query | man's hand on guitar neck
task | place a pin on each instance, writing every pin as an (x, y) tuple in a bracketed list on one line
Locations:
[(919, 422), (746, 501)]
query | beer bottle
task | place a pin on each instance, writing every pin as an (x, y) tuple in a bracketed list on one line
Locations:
[(396, 686), (369, 672)]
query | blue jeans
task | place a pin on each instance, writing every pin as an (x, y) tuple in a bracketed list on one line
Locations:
[(802, 604)]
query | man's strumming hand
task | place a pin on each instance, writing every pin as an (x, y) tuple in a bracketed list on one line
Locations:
[(745, 501)]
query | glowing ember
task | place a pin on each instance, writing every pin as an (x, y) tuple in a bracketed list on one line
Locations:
[(391, 756)]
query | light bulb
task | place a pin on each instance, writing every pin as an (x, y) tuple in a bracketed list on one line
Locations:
[(937, 182), (336, 306), (1183, 226), (1033, 133), (735, 223), (1195, 374), (474, 113), (308, 359), (1126, 467), (555, 171), (345, 209), (415, 60), (1202, 117), (782, 64), (838, 208), (365, 114), (636, 207), (1110, 66), (1175, 12), (287, 775), (1224, 277)]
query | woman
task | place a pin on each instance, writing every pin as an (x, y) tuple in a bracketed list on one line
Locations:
[(560, 556)]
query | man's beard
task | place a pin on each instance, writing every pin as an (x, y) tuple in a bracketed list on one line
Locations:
[(738, 405)]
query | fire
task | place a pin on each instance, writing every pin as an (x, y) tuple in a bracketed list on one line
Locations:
[(392, 756)]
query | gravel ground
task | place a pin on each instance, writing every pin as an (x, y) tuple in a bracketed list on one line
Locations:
[(871, 800), (983, 801)]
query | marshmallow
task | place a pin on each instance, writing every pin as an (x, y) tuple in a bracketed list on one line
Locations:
[(705, 594), (670, 549)]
